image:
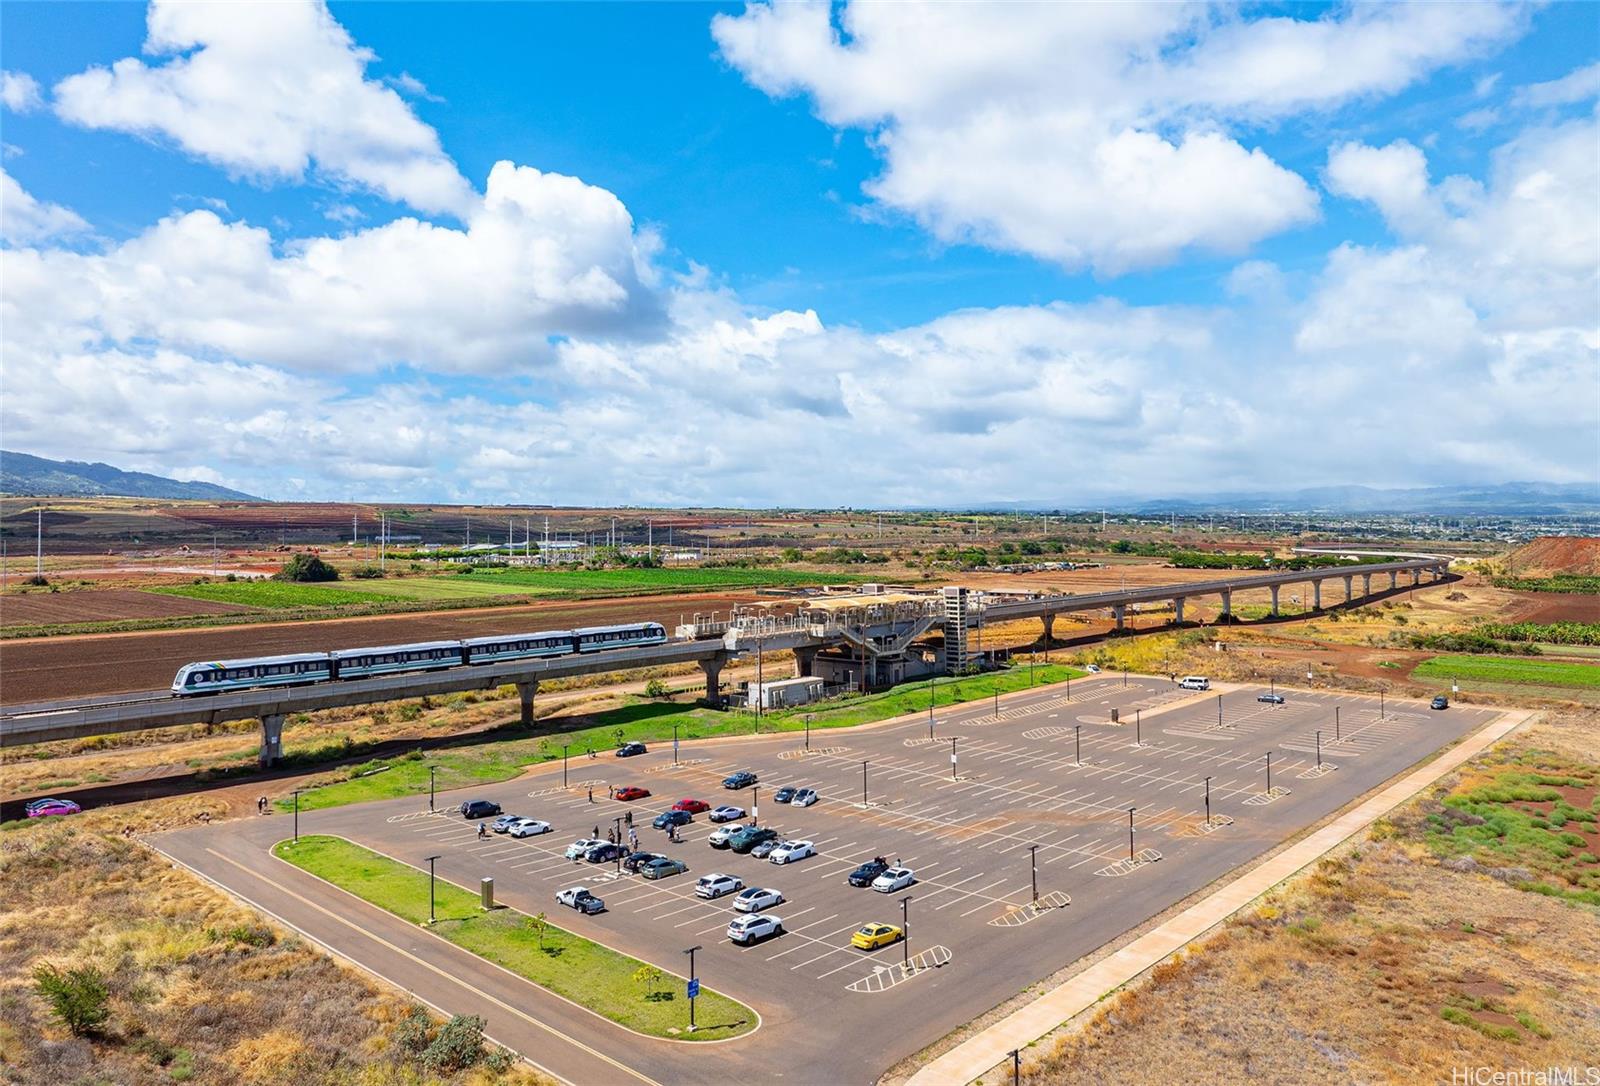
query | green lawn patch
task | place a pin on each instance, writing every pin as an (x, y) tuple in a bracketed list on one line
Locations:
[(1495, 669), (603, 980), (652, 722), (270, 594), (683, 578)]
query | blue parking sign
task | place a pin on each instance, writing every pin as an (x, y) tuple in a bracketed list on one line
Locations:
[(694, 988)]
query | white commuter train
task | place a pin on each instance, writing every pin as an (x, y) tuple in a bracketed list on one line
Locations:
[(217, 676)]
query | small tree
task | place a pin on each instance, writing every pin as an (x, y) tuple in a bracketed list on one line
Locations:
[(538, 925), (306, 567), (78, 997), (647, 976)]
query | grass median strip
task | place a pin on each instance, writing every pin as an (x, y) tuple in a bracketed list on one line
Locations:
[(625, 990), (1507, 670), (647, 721)]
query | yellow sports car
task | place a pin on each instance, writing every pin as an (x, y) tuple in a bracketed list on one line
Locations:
[(872, 936)]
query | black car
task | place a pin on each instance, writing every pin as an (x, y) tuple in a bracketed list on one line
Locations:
[(742, 779), (785, 794), (1440, 702), (635, 860), (601, 854), (672, 818), (479, 808), (628, 750), (863, 875)]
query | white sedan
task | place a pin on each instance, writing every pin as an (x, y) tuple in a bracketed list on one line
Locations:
[(896, 878), (790, 851), (580, 846), (755, 899), (804, 798), (528, 827)]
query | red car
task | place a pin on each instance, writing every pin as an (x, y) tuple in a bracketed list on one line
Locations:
[(693, 806), (632, 792)]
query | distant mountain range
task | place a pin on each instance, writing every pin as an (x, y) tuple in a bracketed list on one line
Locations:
[(35, 476), (1503, 499)]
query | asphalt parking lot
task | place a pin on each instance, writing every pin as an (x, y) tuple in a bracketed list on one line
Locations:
[(1036, 799)]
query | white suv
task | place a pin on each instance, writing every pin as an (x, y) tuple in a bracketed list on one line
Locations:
[(1195, 682), (711, 886), (748, 929)]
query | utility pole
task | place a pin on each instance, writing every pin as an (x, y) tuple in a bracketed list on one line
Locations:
[(38, 562)]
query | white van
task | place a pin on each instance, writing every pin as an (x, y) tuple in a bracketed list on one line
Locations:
[(1195, 682)]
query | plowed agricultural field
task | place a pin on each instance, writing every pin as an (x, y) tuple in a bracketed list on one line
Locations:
[(47, 668), (101, 605)]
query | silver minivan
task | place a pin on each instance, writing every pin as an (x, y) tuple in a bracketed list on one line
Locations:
[(1195, 682)]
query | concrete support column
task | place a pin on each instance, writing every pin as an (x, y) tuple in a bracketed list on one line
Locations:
[(1120, 613), (1316, 595), (804, 660), (1049, 628), (525, 693), (1366, 584), (1274, 611), (1416, 577), (1227, 604), (1394, 580), (713, 670), (1177, 611), (271, 740), (1349, 588)]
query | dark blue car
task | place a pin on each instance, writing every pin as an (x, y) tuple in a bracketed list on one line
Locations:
[(742, 779), (672, 818)]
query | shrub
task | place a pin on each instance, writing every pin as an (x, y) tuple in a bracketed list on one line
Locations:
[(78, 998), (368, 572), (457, 1046), (306, 567), (414, 1033), (655, 688)]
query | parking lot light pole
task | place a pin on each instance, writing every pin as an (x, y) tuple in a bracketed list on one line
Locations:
[(431, 859), (952, 757), (297, 792), (905, 931), (564, 765), (1077, 741), (431, 770), (931, 697), (1335, 723), (1033, 863), (674, 744), (1130, 831), (1208, 801), (1319, 748), (1016, 1066), (755, 805), (808, 731), (1380, 705), (1219, 710), (997, 697), (1138, 730), (1269, 773), (863, 783), (693, 987)]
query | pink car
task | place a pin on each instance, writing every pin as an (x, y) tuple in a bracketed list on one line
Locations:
[(43, 808)]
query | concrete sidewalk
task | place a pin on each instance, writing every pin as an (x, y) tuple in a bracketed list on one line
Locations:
[(977, 1055)]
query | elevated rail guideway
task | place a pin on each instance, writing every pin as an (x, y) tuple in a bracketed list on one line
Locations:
[(875, 628)]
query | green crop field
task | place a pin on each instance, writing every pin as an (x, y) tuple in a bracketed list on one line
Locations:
[(1501, 670), (591, 975), (429, 588), (271, 594)]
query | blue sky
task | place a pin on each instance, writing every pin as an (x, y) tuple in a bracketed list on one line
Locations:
[(809, 237)]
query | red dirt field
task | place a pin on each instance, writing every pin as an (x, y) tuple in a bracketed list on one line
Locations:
[(1556, 554), (1555, 607), (102, 605), (61, 667)]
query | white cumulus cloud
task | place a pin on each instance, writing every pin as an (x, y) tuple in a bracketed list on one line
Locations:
[(19, 92), (269, 91), (1091, 135), (25, 220)]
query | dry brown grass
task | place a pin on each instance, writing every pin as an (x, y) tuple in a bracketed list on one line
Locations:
[(202, 989), (1348, 972)]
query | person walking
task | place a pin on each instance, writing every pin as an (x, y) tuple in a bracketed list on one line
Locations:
[(633, 838), (611, 791), (483, 830), (595, 836)]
